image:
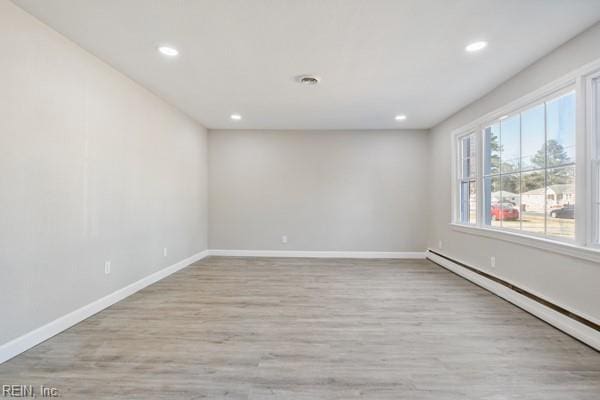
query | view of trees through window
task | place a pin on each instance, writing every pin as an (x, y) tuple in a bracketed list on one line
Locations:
[(529, 169)]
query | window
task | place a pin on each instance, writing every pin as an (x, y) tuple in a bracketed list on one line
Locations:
[(467, 179), (529, 169), (528, 164), (529, 172)]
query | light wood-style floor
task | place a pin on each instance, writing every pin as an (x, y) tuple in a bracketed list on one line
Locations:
[(315, 329)]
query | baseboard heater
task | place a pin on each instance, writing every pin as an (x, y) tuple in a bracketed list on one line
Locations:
[(587, 332)]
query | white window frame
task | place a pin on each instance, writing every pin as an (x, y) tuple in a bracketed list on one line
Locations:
[(587, 167), (593, 154)]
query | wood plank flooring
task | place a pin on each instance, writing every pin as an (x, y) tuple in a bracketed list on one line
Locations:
[(266, 328)]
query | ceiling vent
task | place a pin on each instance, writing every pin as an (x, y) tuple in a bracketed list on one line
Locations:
[(308, 80)]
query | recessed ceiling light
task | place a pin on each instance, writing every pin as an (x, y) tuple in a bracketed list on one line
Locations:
[(168, 51), (400, 117), (235, 117), (476, 46)]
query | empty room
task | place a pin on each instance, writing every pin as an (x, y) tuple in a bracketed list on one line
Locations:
[(300, 199)]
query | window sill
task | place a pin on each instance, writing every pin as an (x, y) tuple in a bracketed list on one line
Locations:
[(555, 246)]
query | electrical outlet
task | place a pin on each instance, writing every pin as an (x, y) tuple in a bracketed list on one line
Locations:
[(107, 267), (440, 245), (165, 252), (493, 261), (284, 239)]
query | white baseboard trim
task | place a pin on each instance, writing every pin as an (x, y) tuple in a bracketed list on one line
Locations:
[(22, 343), (318, 254), (574, 328)]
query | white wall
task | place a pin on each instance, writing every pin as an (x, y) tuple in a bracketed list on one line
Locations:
[(325, 190), (569, 282), (93, 167)]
